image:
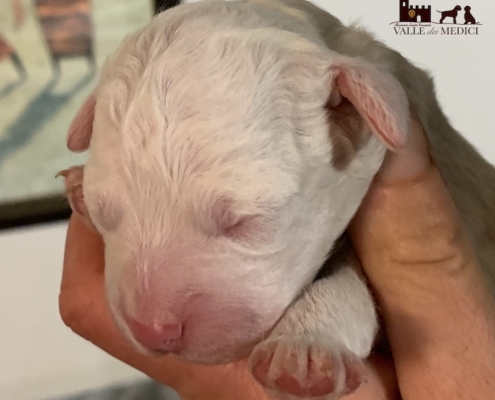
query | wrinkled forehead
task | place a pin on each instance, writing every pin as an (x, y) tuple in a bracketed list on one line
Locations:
[(192, 57), (223, 86), (210, 75), (199, 103), (216, 84)]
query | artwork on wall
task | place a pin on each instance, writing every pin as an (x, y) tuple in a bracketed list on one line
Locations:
[(50, 55)]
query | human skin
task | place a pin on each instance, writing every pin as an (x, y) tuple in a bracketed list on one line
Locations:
[(437, 314)]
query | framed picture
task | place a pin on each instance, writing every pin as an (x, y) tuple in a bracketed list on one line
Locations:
[(50, 54)]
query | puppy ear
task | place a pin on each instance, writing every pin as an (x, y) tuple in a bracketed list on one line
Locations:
[(74, 191), (363, 96), (81, 128)]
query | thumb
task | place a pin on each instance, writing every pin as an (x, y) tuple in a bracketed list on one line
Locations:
[(426, 279), (408, 225), (410, 162)]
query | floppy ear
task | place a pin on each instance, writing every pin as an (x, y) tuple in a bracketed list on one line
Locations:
[(364, 96), (81, 128)]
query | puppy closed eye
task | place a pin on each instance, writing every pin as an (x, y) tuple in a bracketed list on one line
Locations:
[(240, 226), (107, 214), (248, 227)]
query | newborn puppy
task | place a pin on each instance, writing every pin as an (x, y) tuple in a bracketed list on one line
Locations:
[(230, 145)]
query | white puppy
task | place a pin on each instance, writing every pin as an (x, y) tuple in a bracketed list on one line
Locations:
[(230, 145)]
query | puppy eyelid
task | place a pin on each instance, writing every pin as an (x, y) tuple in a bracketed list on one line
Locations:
[(108, 214)]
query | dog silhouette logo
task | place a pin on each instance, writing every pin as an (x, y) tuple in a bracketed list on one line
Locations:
[(468, 17), (450, 14)]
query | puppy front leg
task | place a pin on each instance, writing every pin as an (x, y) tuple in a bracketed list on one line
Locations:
[(316, 351)]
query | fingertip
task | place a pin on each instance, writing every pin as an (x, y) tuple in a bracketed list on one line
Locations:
[(410, 161)]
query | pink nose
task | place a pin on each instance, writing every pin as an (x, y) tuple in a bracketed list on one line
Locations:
[(166, 337)]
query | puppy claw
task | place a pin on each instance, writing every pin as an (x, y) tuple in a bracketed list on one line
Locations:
[(63, 173), (73, 177)]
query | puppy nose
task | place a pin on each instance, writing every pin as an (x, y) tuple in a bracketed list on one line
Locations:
[(158, 337)]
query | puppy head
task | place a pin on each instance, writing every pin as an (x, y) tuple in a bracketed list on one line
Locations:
[(458, 8), (467, 8), (221, 171)]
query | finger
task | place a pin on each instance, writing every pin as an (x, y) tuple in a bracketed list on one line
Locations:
[(412, 245), (408, 216), (428, 283), (411, 161), (83, 256)]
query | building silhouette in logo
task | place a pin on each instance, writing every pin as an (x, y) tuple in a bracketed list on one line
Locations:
[(414, 14)]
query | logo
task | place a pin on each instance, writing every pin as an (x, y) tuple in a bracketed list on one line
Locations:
[(417, 20)]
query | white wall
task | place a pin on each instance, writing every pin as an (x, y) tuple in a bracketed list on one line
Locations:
[(461, 65), (39, 357)]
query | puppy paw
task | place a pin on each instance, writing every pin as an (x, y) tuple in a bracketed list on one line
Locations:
[(292, 368), (73, 177)]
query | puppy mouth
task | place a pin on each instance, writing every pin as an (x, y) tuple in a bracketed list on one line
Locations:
[(156, 353), (208, 358), (150, 351)]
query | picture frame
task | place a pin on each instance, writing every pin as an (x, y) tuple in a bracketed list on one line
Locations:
[(50, 54)]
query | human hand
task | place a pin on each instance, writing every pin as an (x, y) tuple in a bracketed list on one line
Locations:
[(405, 286), (438, 314)]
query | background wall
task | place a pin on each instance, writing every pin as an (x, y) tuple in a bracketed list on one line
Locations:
[(39, 357)]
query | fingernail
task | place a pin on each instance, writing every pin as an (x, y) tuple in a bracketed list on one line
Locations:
[(409, 162)]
